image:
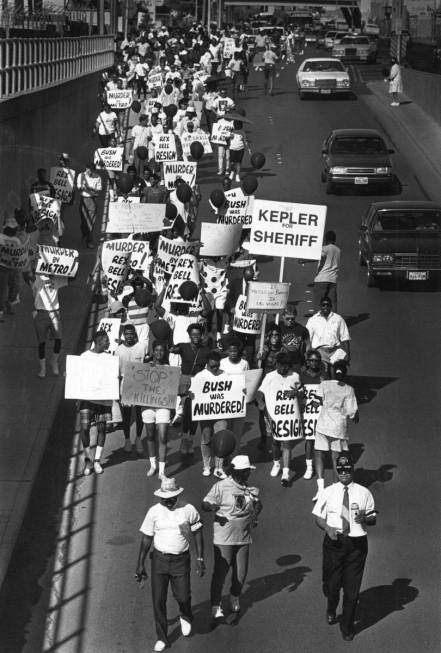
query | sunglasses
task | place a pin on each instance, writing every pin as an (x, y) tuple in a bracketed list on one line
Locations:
[(315, 360), (346, 468)]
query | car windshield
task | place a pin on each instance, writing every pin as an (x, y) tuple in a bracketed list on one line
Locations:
[(358, 145), (323, 66), (410, 220), (355, 40)]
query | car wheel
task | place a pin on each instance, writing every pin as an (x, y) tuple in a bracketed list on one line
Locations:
[(370, 279)]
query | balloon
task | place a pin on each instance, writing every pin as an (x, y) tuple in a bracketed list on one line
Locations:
[(170, 211), (196, 150), (183, 192), (249, 184), (136, 106), (237, 124), (142, 297), (188, 290), (171, 110), (224, 443), (142, 152), (161, 330), (217, 198), (257, 160), (124, 182)]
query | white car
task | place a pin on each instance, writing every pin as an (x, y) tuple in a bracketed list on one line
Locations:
[(372, 29), (322, 76)]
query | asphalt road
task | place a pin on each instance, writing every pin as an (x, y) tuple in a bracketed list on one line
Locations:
[(91, 603)]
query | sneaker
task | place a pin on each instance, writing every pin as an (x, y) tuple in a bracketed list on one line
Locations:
[(219, 174), (275, 470), (231, 175), (97, 467), (206, 471), (88, 467), (138, 446), (309, 473), (55, 369), (185, 627), (237, 179), (177, 420), (285, 479), (220, 473), (160, 645), (151, 470), (217, 612), (235, 604), (128, 446)]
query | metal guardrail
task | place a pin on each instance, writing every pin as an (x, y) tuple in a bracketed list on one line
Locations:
[(32, 64)]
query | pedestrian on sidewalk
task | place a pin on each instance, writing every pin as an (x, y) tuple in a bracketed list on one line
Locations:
[(90, 185), (325, 281), (395, 82), (269, 69), (168, 525)]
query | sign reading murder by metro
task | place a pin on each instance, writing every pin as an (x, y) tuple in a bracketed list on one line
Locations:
[(119, 98), (58, 261), (109, 158), (45, 208), (169, 251), (93, 378), (199, 136), (13, 255), (287, 229), (63, 180), (155, 80), (267, 296), (150, 385), (218, 397), (165, 147), (239, 208), (245, 321), (179, 170), (135, 218)]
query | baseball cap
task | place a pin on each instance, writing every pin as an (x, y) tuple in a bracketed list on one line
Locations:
[(242, 462), (344, 462)]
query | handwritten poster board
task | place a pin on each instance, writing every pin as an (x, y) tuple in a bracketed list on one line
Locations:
[(155, 386)]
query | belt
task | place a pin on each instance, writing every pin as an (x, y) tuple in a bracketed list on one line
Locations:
[(173, 555)]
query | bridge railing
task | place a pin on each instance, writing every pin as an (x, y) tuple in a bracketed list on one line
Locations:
[(33, 64)]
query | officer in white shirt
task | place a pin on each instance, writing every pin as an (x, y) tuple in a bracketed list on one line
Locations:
[(328, 332), (342, 511), (170, 526)]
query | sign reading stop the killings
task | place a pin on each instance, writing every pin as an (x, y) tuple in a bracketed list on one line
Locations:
[(45, 208), (169, 252), (119, 98), (239, 208), (155, 386), (109, 158), (184, 170), (165, 147), (218, 397), (245, 321), (186, 269), (63, 180), (267, 296), (287, 229), (58, 261)]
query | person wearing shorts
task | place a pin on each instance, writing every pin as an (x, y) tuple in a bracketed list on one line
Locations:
[(238, 141), (311, 376), (157, 420), (131, 351), (269, 58)]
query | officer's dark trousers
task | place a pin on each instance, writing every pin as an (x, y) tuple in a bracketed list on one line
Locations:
[(173, 569)]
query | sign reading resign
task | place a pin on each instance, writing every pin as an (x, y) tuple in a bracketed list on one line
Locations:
[(115, 257), (109, 158), (45, 208), (93, 378), (169, 251), (63, 180), (245, 321), (13, 254), (219, 239), (267, 296), (135, 218), (58, 261), (119, 98), (286, 419), (312, 408), (186, 269), (287, 229), (179, 169), (221, 397), (239, 208), (150, 385), (165, 147)]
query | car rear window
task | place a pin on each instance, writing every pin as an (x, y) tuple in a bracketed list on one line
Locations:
[(358, 145), (323, 66), (408, 221), (356, 40)]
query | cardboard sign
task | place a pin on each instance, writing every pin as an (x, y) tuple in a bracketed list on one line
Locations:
[(220, 397), (239, 208), (154, 80), (109, 158), (284, 413), (267, 296), (93, 378), (186, 269), (63, 180), (57, 261), (115, 257), (220, 239), (287, 229), (135, 218), (245, 321), (311, 409), (45, 208), (252, 381), (140, 256), (111, 325), (149, 104), (198, 136), (221, 132), (228, 49), (155, 386), (119, 98), (185, 170), (13, 254), (169, 252), (128, 200), (165, 147)]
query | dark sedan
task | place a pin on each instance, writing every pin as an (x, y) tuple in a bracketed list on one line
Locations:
[(357, 157)]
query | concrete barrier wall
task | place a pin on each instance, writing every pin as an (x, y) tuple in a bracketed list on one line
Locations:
[(35, 128), (425, 90)]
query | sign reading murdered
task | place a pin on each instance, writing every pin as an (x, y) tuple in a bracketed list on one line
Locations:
[(218, 397), (239, 208), (287, 229), (245, 321)]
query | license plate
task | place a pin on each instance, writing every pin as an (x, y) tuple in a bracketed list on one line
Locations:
[(325, 91), (414, 275), (361, 180)]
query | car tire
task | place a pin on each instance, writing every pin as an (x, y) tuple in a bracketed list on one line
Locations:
[(370, 279)]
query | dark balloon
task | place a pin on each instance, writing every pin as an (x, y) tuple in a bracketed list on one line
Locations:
[(136, 106), (161, 330), (196, 150), (217, 198), (224, 443), (143, 297), (249, 184), (170, 211), (188, 290), (183, 192), (257, 160), (124, 182), (142, 152), (171, 110)]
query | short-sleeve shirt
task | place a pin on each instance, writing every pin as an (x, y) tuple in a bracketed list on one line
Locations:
[(234, 368), (133, 354), (269, 57), (312, 400), (237, 503), (45, 289), (107, 122), (330, 502), (329, 271), (339, 403), (171, 529), (192, 361), (293, 340), (327, 332)]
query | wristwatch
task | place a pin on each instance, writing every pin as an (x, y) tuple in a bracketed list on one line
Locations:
[(200, 559)]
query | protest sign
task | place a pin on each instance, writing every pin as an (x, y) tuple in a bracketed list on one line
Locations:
[(63, 180), (311, 409), (128, 200), (218, 397), (111, 325), (228, 49), (58, 261), (199, 136), (93, 378), (252, 382), (198, 106), (287, 229), (220, 239), (284, 413), (115, 257), (14, 255), (221, 132), (239, 208), (109, 158), (135, 218), (140, 257), (155, 386), (165, 147), (154, 80), (149, 104), (45, 207), (169, 252), (267, 296), (186, 269), (119, 98), (184, 170), (245, 321)]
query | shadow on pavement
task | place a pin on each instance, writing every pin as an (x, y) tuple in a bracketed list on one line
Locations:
[(352, 320), (377, 603), (367, 387)]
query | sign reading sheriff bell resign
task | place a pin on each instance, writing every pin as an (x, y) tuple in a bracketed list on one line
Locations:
[(287, 229)]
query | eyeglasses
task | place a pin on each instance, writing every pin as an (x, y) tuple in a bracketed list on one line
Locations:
[(346, 468), (314, 360)]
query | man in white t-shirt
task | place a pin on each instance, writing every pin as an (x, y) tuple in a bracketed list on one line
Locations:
[(106, 125), (222, 104), (325, 281), (235, 364)]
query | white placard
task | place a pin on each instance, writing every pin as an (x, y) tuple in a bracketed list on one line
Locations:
[(119, 98), (239, 208), (197, 136), (135, 218), (111, 325), (169, 252), (92, 378), (115, 257), (221, 132), (220, 397), (186, 269), (228, 49), (45, 207), (57, 261), (287, 229), (128, 200), (109, 158), (154, 80), (252, 380), (312, 408), (245, 321), (284, 413), (165, 147), (219, 239), (267, 296), (184, 170), (13, 254), (63, 180)]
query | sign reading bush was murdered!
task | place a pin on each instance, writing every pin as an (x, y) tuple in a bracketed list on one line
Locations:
[(267, 295), (218, 397), (58, 261), (150, 385), (287, 229), (239, 208), (109, 158)]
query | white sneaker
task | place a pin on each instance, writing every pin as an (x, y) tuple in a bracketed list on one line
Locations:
[(309, 473), (160, 645), (206, 471), (285, 478), (220, 473), (275, 470), (88, 467), (237, 179), (152, 470), (185, 627), (217, 612), (97, 467), (128, 446), (235, 604)]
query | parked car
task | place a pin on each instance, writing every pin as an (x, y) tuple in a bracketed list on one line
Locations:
[(322, 76), (371, 29), (401, 241), (329, 39), (310, 38), (357, 157), (321, 34), (355, 48)]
